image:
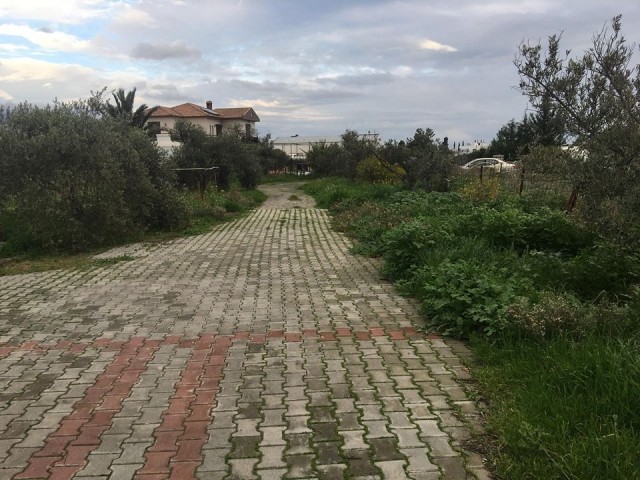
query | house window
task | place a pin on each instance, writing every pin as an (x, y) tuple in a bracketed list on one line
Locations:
[(210, 129), (218, 130), (247, 129), (153, 127)]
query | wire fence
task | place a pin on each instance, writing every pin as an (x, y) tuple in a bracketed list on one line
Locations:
[(489, 182)]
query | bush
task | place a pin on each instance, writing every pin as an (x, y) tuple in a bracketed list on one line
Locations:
[(374, 170), (76, 180), (553, 314), (368, 222), (602, 269), (405, 246), (487, 190), (461, 298), (510, 227)]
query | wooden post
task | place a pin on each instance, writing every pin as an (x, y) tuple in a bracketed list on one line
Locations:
[(481, 169), (521, 182)]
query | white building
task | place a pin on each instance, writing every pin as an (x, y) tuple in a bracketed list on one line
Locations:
[(468, 147), (297, 147)]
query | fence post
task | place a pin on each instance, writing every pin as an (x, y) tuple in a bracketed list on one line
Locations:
[(481, 169), (521, 182)]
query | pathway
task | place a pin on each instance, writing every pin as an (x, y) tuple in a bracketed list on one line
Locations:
[(260, 350)]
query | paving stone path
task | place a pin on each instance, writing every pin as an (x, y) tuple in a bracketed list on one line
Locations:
[(260, 350)]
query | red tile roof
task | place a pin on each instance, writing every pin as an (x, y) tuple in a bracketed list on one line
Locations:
[(191, 110), (240, 113), (186, 110)]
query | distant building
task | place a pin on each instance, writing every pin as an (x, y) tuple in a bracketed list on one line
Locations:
[(297, 147), (468, 147), (213, 121)]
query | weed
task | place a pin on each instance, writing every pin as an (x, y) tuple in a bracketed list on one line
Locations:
[(105, 262)]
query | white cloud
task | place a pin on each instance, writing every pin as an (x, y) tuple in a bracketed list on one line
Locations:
[(402, 71), (12, 48), (56, 41), (61, 11), (30, 69), (5, 96), (132, 16), (39, 81), (427, 44)]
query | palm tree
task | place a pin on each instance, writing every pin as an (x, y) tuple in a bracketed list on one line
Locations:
[(123, 109)]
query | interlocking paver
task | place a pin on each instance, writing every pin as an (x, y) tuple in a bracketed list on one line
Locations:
[(262, 349)]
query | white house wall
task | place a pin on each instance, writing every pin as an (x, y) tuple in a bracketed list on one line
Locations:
[(297, 150), (207, 124)]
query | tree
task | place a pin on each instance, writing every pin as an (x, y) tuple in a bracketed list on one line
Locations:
[(513, 139), (427, 162), (123, 109), (232, 158), (596, 95), (72, 178), (547, 125), (354, 150), (324, 159)]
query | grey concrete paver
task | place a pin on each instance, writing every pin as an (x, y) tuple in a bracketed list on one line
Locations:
[(262, 349)]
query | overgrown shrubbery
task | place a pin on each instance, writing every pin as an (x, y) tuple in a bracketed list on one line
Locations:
[(233, 158), (420, 162), (552, 308), (73, 178), (469, 262)]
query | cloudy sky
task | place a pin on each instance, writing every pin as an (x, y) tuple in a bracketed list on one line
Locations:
[(307, 67)]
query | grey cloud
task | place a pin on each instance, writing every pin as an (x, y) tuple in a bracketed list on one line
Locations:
[(336, 59), (164, 51), (167, 92)]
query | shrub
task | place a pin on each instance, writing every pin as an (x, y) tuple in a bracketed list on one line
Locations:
[(543, 229), (602, 269), (553, 314), (462, 298), (374, 170), (481, 191), (405, 245), (367, 223), (75, 180)]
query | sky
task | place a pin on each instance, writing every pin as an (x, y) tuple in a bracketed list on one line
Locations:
[(306, 67)]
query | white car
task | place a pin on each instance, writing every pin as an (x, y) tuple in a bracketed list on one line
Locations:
[(494, 164)]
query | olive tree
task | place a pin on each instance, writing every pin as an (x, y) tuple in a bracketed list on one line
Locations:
[(72, 178), (598, 96)]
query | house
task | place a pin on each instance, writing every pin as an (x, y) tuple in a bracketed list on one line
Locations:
[(297, 147), (213, 121)]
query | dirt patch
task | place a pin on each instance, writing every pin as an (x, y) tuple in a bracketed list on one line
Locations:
[(286, 195)]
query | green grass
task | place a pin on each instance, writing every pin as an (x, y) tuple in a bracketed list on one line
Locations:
[(563, 409), (41, 263), (330, 191), (208, 211)]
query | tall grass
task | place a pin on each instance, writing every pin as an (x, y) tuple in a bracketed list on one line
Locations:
[(563, 409)]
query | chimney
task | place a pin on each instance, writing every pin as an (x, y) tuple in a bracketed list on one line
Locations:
[(209, 105)]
